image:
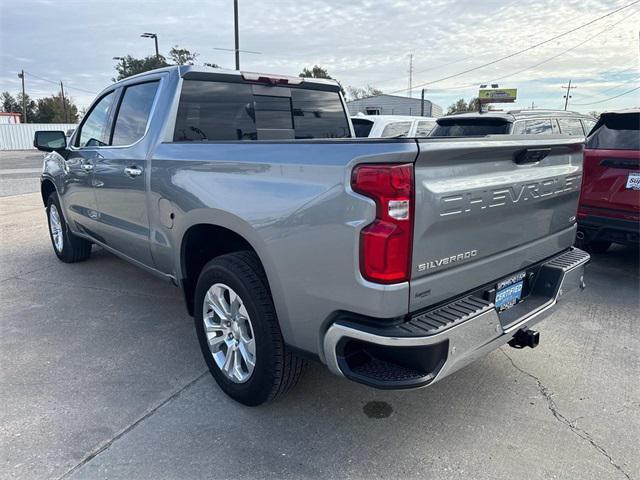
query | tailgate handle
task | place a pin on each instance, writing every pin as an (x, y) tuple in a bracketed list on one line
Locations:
[(530, 155)]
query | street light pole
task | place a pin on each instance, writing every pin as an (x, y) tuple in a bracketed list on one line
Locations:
[(237, 33), (155, 39)]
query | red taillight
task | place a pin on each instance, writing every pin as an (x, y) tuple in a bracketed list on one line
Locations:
[(385, 244)]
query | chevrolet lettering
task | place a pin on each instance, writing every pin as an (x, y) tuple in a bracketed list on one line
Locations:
[(478, 200)]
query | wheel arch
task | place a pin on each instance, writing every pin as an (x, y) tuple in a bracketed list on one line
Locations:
[(204, 241), (47, 187)]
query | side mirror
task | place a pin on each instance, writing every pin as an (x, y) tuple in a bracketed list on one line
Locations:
[(49, 141)]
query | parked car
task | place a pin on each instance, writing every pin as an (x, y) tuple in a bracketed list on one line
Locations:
[(393, 261), (385, 126), (609, 210), (514, 122)]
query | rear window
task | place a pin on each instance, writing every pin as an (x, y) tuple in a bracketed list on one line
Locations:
[(613, 131), (221, 111), (470, 127), (318, 114), (396, 129), (362, 127)]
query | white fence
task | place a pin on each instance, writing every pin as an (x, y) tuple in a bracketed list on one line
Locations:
[(20, 136)]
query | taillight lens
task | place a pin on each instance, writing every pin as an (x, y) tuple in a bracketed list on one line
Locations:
[(385, 244)]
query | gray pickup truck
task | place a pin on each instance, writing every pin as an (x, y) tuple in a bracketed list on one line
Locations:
[(394, 262)]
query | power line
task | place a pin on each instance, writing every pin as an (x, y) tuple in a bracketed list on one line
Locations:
[(511, 55), (547, 60), (57, 83), (610, 98)]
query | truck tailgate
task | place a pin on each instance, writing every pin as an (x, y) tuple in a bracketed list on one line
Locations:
[(485, 208)]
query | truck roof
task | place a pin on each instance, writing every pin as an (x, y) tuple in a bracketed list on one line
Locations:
[(513, 115), (184, 70)]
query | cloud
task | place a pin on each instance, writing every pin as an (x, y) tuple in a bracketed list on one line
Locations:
[(360, 42)]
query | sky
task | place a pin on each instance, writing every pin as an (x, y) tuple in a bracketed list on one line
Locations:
[(360, 43)]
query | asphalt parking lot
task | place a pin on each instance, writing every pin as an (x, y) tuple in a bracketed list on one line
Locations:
[(20, 172), (102, 378)]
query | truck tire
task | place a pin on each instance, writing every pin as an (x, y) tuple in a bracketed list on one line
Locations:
[(68, 247), (238, 331)]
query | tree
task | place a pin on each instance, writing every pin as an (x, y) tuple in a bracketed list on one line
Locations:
[(9, 103), (318, 72), (182, 56), (30, 105), (356, 93), (594, 114), (461, 106), (51, 110), (315, 72), (14, 105), (129, 65)]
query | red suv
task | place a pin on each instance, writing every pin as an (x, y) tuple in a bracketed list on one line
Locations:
[(609, 210)]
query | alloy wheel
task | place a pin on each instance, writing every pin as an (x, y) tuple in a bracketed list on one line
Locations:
[(229, 333)]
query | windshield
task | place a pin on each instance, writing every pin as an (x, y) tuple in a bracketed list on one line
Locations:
[(470, 127)]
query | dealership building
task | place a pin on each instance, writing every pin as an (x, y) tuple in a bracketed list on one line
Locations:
[(394, 105)]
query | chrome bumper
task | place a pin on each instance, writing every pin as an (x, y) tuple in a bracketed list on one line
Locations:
[(476, 331)]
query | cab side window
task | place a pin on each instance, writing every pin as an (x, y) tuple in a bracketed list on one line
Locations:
[(93, 132), (396, 129), (424, 128), (541, 126), (571, 126), (588, 125), (133, 113)]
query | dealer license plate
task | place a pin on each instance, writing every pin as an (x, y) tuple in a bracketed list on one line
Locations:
[(633, 181), (509, 291)]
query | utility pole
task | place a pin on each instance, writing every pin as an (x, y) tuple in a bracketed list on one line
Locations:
[(567, 96), (24, 99), (422, 103), (410, 75), (237, 33), (64, 103)]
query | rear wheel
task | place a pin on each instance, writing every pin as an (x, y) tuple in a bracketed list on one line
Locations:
[(238, 331), (68, 247)]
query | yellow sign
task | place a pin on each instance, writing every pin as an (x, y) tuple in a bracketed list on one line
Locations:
[(497, 95)]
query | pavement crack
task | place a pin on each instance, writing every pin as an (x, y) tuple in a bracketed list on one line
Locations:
[(553, 408), (104, 446)]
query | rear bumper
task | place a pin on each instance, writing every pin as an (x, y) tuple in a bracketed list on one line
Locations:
[(434, 344), (608, 229)]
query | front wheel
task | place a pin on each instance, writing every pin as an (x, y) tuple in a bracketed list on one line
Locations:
[(238, 331), (68, 247)]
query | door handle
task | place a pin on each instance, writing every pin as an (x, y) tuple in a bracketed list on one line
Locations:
[(133, 171)]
